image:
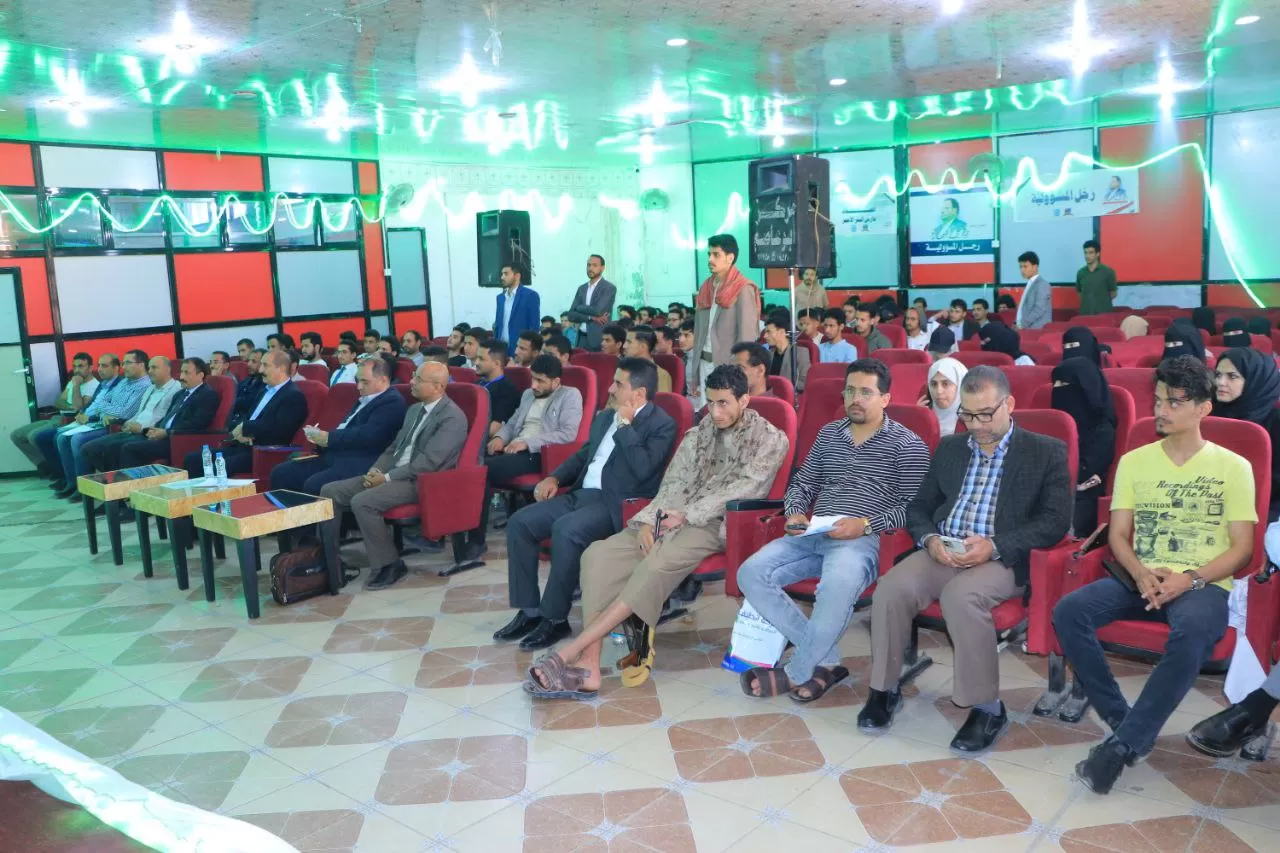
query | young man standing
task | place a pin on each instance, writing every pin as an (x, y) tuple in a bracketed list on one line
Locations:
[(592, 305), (728, 311), (1096, 282), (519, 307), (1036, 308), (1182, 520)]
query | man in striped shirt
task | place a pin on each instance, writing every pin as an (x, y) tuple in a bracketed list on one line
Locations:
[(862, 470)]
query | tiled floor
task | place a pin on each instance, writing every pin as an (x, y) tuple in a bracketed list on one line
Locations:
[(389, 723)]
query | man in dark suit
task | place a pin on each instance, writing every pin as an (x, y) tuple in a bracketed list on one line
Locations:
[(593, 304), (519, 307), (248, 390), (624, 458), (274, 419), (957, 319), (351, 447), (430, 439), (992, 496), (192, 410)]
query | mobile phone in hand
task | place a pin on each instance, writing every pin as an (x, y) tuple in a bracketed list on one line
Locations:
[(953, 545)]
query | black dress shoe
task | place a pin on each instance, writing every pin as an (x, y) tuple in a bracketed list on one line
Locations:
[(1223, 734), (387, 576), (980, 731), (66, 492), (58, 485), (877, 714), (520, 625), (1102, 768), (74, 497), (546, 635)]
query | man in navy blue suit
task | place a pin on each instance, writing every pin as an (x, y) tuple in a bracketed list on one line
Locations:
[(349, 450), (192, 410), (519, 307), (274, 419)]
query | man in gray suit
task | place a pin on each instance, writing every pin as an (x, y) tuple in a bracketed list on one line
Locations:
[(1036, 308), (430, 440), (549, 413), (991, 496), (593, 304)]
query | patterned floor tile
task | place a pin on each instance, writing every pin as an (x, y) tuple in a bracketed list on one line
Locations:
[(338, 720), (648, 819), (454, 769), (476, 598), (379, 635), (1026, 730), (1161, 835), (202, 779), (335, 831), (1224, 783), (267, 678), (38, 691), (175, 647), (468, 665), (71, 597), (117, 620), (102, 732), (614, 705), (725, 748)]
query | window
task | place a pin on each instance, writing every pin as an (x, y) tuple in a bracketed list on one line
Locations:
[(13, 236), (129, 211), (343, 214), (82, 228), (244, 219), (296, 223), (201, 215)]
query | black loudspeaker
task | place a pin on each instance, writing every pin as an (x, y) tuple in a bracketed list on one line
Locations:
[(790, 217), (502, 237)]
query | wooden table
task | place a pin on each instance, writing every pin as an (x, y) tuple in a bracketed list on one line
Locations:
[(111, 487), (246, 519), (175, 504)]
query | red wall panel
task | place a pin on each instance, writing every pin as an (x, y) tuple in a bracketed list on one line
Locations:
[(161, 343), (328, 329), (375, 267), (15, 165), (1165, 241), (933, 161), (196, 171), (368, 174), (417, 319), (35, 293), (1063, 297), (223, 287)]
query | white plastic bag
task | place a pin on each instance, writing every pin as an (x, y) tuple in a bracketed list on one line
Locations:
[(754, 642)]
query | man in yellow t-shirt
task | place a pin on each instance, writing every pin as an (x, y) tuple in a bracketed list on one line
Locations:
[(1182, 523)]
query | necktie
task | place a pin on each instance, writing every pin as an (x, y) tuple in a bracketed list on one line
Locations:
[(178, 403), (408, 437)]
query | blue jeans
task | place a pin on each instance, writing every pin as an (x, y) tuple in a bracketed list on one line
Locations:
[(1196, 620), (845, 568), (62, 452)]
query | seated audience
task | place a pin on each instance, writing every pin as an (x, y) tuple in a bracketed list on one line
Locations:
[(687, 338), (117, 400), (1247, 388), (244, 346), (1005, 302), (1235, 333), (1002, 492), (777, 334), (548, 324), (569, 329), (279, 341), (1183, 339), (436, 353), (103, 454), (981, 311), (311, 348), (275, 418), (942, 392), (1181, 568), (997, 337), (411, 347), (613, 339), (249, 389), (626, 312), (389, 345), (675, 315), (917, 331), (528, 347), (559, 347), (733, 454), (1081, 342), (811, 324), (850, 312), (430, 439), (834, 347), (491, 363), (755, 361), (863, 468), (75, 397), (472, 341), (347, 364), (549, 413), (666, 344), (640, 343), (191, 410), (921, 304), (957, 319), (372, 338), (1260, 326), (350, 448), (454, 345), (942, 343), (1205, 318), (864, 325), (623, 458), (295, 358), (219, 363), (809, 292), (1226, 732), (644, 315), (1080, 390)]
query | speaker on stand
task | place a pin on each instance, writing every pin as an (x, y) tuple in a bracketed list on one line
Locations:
[(502, 238)]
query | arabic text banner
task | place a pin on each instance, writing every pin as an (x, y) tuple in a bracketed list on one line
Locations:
[(1084, 194), (951, 226)]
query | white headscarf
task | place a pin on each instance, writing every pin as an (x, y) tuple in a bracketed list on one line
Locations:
[(955, 371)]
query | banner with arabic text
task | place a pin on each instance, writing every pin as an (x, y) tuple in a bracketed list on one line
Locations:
[(951, 226), (1083, 194)]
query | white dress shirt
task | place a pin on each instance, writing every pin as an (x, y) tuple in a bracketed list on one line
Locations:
[(507, 306), (592, 478), (344, 373)]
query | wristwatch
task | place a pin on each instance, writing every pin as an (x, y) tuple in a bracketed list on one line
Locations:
[(866, 527), (1197, 582)]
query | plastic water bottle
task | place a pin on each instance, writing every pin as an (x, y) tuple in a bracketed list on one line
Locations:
[(221, 468), (207, 458)]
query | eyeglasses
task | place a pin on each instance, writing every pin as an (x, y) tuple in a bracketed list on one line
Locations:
[(860, 393), (981, 417)]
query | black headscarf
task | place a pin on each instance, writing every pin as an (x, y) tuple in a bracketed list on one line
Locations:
[(1237, 339), (1234, 324), (1087, 399), (1261, 387), (1181, 339), (1260, 326), (1205, 318), (997, 337), (942, 340), (1081, 342)]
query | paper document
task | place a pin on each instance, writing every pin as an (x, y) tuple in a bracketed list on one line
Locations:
[(203, 482), (73, 429), (820, 524)]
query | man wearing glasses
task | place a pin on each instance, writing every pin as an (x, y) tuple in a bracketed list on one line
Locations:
[(989, 499), (861, 472)]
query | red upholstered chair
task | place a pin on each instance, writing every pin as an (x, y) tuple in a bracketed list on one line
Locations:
[(923, 422), (852, 337), (1109, 334), (680, 410), (338, 403), (465, 375), (239, 370), (450, 501), (969, 345), (969, 358), (782, 389), (1095, 321), (1052, 577), (1024, 380), (553, 455), (820, 404), (404, 369), (267, 458), (181, 445), (1060, 326), (1122, 400), (909, 382), (404, 390), (315, 372), (902, 356), (1043, 354), (896, 334), (1140, 382), (604, 366), (826, 370), (520, 377), (331, 361), (673, 365), (805, 341)]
